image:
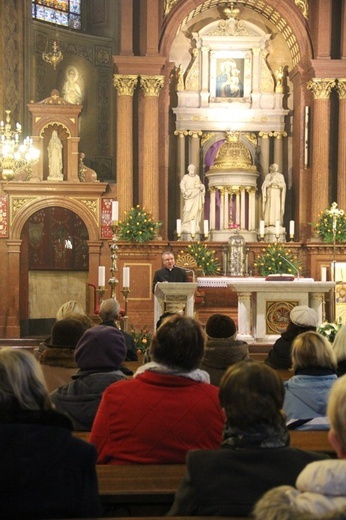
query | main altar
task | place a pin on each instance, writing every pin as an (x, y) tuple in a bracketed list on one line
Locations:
[(264, 305)]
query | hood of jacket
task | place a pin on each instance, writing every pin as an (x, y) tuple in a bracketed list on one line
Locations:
[(221, 352), (306, 396)]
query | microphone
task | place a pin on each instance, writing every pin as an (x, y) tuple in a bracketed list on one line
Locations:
[(291, 265)]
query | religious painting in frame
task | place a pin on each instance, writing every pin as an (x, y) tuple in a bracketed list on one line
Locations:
[(278, 315), (230, 76)]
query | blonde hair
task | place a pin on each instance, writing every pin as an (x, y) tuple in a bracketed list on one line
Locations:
[(68, 309), (311, 349), (22, 382), (336, 409), (339, 344)]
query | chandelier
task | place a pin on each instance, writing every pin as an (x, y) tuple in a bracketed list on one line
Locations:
[(15, 156), (55, 56)]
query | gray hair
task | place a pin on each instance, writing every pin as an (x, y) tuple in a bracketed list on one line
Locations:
[(109, 309), (21, 381)]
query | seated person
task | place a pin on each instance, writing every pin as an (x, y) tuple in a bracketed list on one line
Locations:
[(45, 472), (56, 353), (99, 354), (306, 393), (302, 319), (222, 347), (321, 486), (168, 407), (73, 309), (255, 454), (339, 348), (109, 314)]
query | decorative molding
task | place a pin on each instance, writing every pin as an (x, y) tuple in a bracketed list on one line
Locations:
[(151, 85), (303, 6), (341, 88), (125, 84), (321, 88)]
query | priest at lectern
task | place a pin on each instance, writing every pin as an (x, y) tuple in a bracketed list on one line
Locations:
[(169, 272)]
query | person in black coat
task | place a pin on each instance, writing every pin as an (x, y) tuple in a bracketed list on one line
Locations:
[(255, 454), (45, 472), (169, 271), (302, 319)]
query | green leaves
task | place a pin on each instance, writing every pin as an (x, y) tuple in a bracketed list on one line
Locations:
[(138, 226)]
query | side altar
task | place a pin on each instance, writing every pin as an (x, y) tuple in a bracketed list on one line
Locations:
[(264, 306)]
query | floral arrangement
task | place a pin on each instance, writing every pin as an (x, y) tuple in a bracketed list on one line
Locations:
[(276, 259), (138, 226), (331, 224), (204, 257), (141, 338), (329, 330)]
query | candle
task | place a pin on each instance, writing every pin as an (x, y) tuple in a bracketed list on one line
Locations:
[(178, 226), (291, 228), (323, 274), (277, 228), (261, 228), (206, 228), (126, 277), (102, 276), (193, 228), (115, 211)]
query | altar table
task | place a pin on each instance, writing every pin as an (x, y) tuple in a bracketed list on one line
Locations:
[(262, 303)]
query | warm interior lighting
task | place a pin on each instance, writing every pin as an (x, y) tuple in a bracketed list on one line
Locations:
[(53, 56), (15, 156)]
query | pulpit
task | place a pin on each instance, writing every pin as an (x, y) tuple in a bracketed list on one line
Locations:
[(170, 296)]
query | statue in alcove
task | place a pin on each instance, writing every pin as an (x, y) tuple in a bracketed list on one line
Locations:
[(55, 158)]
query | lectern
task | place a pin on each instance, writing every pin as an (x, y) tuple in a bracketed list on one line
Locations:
[(172, 295)]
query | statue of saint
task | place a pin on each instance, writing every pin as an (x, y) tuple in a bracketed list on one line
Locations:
[(55, 158), (71, 90), (193, 191), (273, 196)]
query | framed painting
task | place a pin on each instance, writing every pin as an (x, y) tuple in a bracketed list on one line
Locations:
[(230, 75)]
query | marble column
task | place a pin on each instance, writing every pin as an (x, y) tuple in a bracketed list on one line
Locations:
[(149, 177), (278, 148), (125, 86), (212, 211), (265, 150), (194, 148), (341, 178), (321, 89)]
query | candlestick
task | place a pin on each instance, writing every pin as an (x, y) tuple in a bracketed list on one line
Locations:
[(102, 276), (126, 277), (261, 230), (125, 292), (178, 228), (206, 228), (291, 230), (193, 228), (115, 211), (113, 281)]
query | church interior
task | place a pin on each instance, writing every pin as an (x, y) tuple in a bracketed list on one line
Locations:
[(134, 92)]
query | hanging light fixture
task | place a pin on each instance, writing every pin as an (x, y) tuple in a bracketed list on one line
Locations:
[(15, 156), (54, 56)]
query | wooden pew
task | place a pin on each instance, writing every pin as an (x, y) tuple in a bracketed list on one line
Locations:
[(313, 440)]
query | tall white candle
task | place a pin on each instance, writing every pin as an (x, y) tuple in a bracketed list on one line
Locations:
[(277, 228), (126, 277), (102, 276), (178, 226), (193, 228), (115, 211), (291, 228), (206, 228), (261, 228), (323, 274)]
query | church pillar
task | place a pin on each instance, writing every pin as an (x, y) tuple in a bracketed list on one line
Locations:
[(225, 208), (212, 208), (252, 206), (180, 165), (320, 89), (242, 208), (264, 156), (194, 151), (278, 148), (12, 318), (341, 179), (125, 85), (149, 179)]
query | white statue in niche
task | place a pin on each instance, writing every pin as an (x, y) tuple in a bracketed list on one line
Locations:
[(71, 90), (193, 191), (273, 196), (55, 158)]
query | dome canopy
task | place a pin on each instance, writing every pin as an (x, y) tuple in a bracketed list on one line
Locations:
[(233, 155)]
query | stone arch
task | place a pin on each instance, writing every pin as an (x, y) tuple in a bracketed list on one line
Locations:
[(280, 13), (72, 204)]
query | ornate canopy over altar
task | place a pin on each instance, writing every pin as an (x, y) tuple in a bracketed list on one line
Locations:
[(264, 306)]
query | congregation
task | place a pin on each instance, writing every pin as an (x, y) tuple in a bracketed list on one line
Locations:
[(198, 400)]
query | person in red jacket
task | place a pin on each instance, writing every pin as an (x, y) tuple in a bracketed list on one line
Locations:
[(168, 408)]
